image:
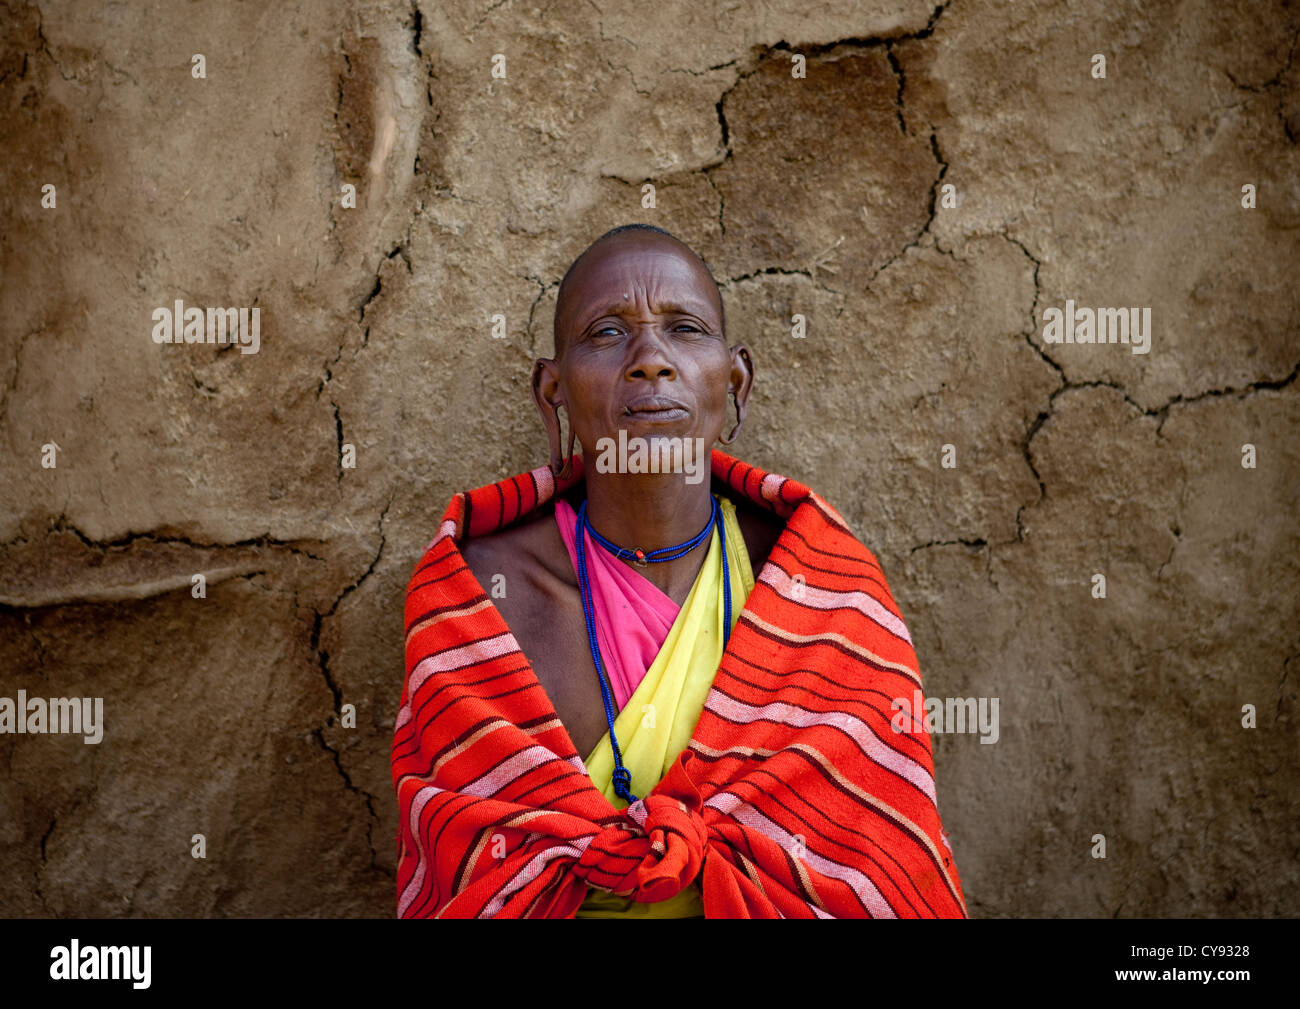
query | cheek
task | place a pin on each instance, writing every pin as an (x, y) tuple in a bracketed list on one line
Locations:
[(715, 380), (589, 402)]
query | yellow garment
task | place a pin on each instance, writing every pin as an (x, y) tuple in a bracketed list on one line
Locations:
[(659, 719)]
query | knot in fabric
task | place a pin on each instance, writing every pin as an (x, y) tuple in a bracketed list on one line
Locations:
[(651, 854)]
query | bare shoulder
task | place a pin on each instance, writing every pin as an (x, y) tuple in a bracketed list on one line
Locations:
[(528, 549), (760, 528)]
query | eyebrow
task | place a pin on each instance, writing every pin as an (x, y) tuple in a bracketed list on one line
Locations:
[(699, 309)]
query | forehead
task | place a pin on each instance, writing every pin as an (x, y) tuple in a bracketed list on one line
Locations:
[(620, 271)]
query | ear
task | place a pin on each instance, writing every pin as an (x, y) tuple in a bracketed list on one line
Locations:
[(742, 381), (548, 394)]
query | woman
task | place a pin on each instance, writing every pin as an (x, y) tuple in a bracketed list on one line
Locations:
[(581, 731)]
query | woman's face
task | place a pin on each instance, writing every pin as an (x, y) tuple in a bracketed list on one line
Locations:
[(642, 344)]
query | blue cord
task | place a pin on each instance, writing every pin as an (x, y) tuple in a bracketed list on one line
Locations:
[(663, 553), (622, 778)]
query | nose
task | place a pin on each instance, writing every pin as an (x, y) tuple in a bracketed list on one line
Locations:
[(651, 356)]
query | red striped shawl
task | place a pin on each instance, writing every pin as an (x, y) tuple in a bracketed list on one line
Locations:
[(796, 798)]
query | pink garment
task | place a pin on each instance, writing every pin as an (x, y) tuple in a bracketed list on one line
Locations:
[(632, 615)]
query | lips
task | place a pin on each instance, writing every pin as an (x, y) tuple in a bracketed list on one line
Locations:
[(655, 408)]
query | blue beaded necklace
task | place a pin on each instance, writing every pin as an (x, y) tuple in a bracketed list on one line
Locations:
[(622, 778)]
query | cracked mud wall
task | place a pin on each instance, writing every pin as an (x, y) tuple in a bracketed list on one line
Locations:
[(820, 196)]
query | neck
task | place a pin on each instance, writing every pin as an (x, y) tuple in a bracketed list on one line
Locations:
[(650, 511)]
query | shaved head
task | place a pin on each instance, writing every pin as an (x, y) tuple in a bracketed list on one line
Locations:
[(640, 346), (567, 307)]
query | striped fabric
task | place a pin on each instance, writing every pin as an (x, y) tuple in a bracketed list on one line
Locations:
[(796, 797)]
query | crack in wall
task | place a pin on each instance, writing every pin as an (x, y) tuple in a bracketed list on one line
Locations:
[(43, 855), (756, 59), (722, 205), (931, 211), (1239, 392), (872, 41), (1286, 670), (416, 27), (1066, 384), (13, 376), (21, 74), (706, 71), (366, 797), (40, 645), (768, 271), (976, 544), (979, 545), (323, 383), (338, 434), (323, 663), (486, 14), (619, 67), (322, 655), (532, 310), (40, 867), (131, 538), (45, 46), (900, 111), (753, 64), (902, 83), (1274, 82), (365, 302)]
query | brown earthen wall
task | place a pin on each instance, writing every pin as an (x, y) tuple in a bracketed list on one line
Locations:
[(821, 196)]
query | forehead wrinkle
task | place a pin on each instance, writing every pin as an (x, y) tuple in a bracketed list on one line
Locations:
[(598, 262), (663, 291), (677, 306)]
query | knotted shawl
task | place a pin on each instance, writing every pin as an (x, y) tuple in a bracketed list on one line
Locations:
[(795, 797), (655, 723)]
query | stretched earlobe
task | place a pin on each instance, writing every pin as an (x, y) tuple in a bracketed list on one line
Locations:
[(743, 377), (561, 464), (740, 419), (567, 471), (550, 411)]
